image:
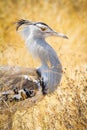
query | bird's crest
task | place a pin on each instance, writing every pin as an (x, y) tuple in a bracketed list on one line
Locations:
[(21, 22)]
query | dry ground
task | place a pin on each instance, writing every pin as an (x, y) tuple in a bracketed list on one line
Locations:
[(65, 109)]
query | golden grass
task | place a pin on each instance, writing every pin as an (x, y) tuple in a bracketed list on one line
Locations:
[(62, 16), (66, 108)]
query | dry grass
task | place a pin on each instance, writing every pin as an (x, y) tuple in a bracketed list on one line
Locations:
[(66, 108), (63, 110)]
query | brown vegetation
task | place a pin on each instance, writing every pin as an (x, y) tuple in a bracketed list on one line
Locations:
[(65, 109)]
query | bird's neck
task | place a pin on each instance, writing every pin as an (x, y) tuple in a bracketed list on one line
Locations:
[(35, 45), (33, 39), (40, 49)]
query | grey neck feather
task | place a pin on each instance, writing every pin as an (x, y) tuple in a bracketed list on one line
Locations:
[(40, 49)]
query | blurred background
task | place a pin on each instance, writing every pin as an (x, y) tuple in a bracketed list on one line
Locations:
[(66, 108), (68, 17)]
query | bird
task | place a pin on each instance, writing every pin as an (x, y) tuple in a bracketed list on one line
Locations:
[(35, 34)]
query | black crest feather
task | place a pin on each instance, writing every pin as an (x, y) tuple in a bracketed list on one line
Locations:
[(21, 22)]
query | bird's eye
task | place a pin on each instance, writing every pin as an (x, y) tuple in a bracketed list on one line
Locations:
[(43, 29)]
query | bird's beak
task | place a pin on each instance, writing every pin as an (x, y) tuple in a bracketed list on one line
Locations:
[(59, 34)]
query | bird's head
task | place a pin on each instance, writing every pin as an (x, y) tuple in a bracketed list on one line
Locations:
[(37, 29)]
